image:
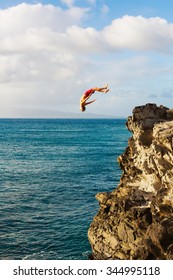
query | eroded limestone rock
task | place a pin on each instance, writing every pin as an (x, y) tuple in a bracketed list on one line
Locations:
[(135, 221)]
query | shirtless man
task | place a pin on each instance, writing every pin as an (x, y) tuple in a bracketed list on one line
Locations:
[(88, 94)]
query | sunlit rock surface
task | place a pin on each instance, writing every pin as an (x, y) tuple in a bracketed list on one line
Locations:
[(135, 221)]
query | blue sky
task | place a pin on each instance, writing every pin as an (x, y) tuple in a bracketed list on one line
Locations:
[(52, 51)]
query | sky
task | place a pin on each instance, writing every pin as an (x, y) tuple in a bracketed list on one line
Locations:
[(52, 51)]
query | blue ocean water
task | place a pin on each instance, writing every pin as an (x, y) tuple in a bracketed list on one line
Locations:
[(50, 171)]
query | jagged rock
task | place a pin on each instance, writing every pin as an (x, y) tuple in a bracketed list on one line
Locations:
[(135, 221)]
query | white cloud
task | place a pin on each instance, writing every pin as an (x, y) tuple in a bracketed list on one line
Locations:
[(47, 59), (36, 62), (18, 19), (139, 33), (39, 27)]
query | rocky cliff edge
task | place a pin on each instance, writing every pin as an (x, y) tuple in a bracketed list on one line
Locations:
[(135, 221)]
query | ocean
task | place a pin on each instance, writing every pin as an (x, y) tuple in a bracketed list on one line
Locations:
[(50, 172)]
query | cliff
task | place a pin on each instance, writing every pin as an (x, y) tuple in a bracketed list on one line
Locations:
[(135, 221)]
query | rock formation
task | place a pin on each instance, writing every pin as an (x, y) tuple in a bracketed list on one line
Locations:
[(135, 221)]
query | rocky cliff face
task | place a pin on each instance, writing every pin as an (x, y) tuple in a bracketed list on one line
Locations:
[(135, 221)]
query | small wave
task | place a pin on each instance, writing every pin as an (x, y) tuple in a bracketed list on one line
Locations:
[(42, 255), (86, 254)]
